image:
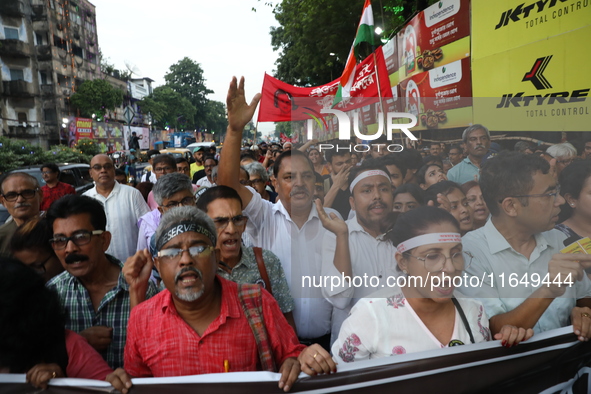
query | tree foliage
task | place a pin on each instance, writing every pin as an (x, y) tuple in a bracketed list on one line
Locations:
[(96, 97), (168, 108), (186, 78), (314, 36), (215, 117)]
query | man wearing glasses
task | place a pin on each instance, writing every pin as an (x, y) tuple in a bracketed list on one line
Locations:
[(163, 164), (239, 263), (53, 188), (526, 280), (124, 205), (92, 290), (21, 195), (172, 190)]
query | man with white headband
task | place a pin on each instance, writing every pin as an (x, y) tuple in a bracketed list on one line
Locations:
[(371, 199), (290, 228), (202, 323)]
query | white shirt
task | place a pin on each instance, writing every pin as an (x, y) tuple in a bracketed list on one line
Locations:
[(205, 182), (370, 257), (388, 326), (493, 255), (152, 177), (123, 207), (300, 253)]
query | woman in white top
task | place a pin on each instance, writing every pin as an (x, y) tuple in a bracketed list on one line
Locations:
[(423, 313)]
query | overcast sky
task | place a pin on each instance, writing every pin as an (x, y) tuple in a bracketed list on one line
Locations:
[(226, 37)]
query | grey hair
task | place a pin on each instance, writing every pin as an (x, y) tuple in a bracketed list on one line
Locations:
[(522, 146), (170, 184), (472, 128), (21, 175), (185, 214), (562, 150), (257, 168)]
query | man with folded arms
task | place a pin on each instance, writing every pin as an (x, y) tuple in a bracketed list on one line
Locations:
[(202, 323)]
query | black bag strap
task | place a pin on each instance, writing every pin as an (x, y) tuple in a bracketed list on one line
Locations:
[(463, 317)]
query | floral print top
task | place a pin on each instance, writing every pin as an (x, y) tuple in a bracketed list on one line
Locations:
[(382, 327)]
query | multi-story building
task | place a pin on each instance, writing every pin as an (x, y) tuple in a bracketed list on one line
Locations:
[(47, 49)]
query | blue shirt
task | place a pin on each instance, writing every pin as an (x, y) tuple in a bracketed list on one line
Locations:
[(463, 172)]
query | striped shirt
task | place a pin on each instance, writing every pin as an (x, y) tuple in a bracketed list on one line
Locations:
[(124, 206), (113, 310)]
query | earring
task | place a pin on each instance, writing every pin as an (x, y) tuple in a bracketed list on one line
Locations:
[(405, 272), (572, 205)]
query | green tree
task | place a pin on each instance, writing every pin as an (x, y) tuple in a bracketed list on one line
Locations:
[(169, 108), (96, 97), (314, 36), (215, 116), (186, 78)]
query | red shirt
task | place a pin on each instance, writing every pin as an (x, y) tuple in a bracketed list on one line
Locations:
[(50, 194), (83, 361), (160, 343)]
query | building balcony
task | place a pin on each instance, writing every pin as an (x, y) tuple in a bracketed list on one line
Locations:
[(40, 25), (12, 7), (43, 52), (18, 88), (22, 131), (14, 48), (39, 13), (47, 90)]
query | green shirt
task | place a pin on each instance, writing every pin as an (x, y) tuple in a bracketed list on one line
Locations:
[(247, 271)]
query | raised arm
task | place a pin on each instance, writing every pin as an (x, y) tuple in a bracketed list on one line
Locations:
[(239, 114)]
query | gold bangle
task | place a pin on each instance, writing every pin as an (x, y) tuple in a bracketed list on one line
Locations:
[(585, 314)]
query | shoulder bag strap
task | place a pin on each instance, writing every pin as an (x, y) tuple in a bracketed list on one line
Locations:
[(251, 300), (258, 254), (463, 317)]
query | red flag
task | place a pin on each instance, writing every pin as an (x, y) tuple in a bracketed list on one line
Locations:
[(279, 99)]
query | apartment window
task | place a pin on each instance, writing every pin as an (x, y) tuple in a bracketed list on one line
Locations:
[(91, 57), (78, 51), (22, 117), (43, 75), (60, 43), (49, 115), (11, 33), (16, 75)]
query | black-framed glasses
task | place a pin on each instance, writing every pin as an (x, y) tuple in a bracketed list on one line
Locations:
[(40, 267), (173, 255), (27, 194), (106, 166), (162, 169), (185, 202), (238, 220), (81, 238), (553, 194), (435, 262), (245, 183)]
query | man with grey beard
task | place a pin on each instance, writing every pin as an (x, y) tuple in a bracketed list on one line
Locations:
[(21, 195), (203, 323)]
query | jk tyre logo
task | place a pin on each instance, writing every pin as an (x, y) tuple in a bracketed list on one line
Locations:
[(536, 74)]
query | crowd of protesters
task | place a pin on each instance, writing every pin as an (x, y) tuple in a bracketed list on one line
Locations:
[(215, 266)]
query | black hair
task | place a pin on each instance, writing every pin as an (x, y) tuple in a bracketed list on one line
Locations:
[(509, 174), (215, 193), (319, 178), (166, 159), (414, 190), (422, 172), (412, 159), (152, 152), (289, 153), (456, 146), (246, 155), (571, 179), (210, 157), (443, 187), (416, 221), (367, 165), (33, 234), (435, 143), (180, 160), (73, 204), (119, 171), (52, 166), (436, 159), (340, 149), (393, 160), (276, 98), (32, 322)]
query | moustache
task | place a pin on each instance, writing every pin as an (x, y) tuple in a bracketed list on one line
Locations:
[(299, 189), (188, 269), (480, 146), (377, 204), (74, 258), (24, 204)]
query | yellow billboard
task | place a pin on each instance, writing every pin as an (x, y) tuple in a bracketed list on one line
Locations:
[(502, 25), (541, 86)]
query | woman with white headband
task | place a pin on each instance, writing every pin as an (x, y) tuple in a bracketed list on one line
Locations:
[(419, 311)]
